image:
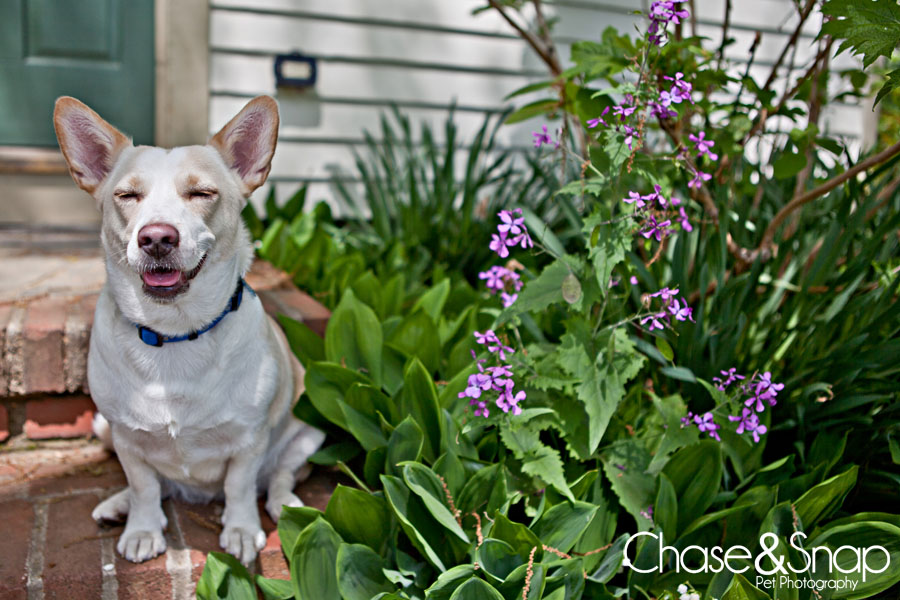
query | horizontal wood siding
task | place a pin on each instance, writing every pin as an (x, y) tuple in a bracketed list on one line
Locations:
[(425, 56)]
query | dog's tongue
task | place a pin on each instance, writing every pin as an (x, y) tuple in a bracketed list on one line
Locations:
[(161, 278)]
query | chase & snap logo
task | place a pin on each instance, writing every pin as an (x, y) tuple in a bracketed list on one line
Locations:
[(819, 560)]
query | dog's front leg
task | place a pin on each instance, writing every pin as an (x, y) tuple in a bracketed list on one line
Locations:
[(143, 536), (242, 535)]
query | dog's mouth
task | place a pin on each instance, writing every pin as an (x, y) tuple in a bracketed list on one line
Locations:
[(166, 282)]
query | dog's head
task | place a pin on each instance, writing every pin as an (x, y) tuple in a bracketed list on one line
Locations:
[(168, 213)]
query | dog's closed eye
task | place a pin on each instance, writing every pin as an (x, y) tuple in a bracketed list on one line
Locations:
[(127, 194), (202, 193)]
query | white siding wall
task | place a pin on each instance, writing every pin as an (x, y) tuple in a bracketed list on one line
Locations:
[(424, 55)]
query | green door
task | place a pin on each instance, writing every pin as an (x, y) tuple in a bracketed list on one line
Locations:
[(99, 51)]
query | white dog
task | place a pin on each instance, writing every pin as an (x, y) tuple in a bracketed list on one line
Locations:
[(195, 381)]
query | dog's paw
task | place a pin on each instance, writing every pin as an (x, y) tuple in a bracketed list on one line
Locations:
[(113, 509), (242, 543), (274, 505), (138, 546)]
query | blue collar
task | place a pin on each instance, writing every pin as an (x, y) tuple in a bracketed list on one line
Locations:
[(152, 338)]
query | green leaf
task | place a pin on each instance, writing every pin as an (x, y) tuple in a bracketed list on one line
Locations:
[(224, 577), (359, 517), (514, 585), (359, 573), (353, 337), (419, 399), (294, 519), (405, 444), (335, 453), (664, 348), (433, 301), (520, 538), (313, 572), (305, 344), (448, 581), (477, 490), (891, 83), (546, 289), (498, 559), (825, 498), (608, 243), (864, 536), (665, 509), (476, 589), (561, 526), (696, 475), (424, 483), (788, 164), (412, 516), (741, 589), (870, 29), (537, 459), (417, 336), (326, 385), (531, 110), (275, 589)]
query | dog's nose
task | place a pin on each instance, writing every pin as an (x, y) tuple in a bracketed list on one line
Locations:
[(158, 239)]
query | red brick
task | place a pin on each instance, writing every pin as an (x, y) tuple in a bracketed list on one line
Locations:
[(106, 475), (4, 423), (43, 345), (271, 559), (200, 524), (18, 516), (76, 340), (5, 313), (143, 581), (58, 417), (72, 566), (198, 561)]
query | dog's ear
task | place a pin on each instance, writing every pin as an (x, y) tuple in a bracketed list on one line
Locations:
[(89, 144), (247, 142)]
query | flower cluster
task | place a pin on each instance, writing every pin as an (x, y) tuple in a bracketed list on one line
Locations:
[(663, 12), (756, 393), (543, 137), (623, 111), (658, 213), (504, 281), (685, 594), (494, 379), (512, 232), (672, 306)]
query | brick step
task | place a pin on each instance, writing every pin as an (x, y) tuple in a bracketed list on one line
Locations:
[(46, 312), (53, 549)]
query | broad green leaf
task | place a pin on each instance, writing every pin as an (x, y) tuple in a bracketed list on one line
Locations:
[(335, 453), (275, 589), (475, 493), (825, 498), (741, 589), (476, 589), (326, 385), (561, 526), (665, 509), (432, 301), (448, 581), (520, 538), (405, 444), (612, 560), (850, 564), (664, 348), (225, 578), (544, 290), (696, 475), (498, 559), (419, 399), (353, 337), (537, 459), (359, 573), (417, 336), (359, 517), (305, 344), (514, 585), (313, 572), (788, 164), (294, 519), (451, 470), (412, 516), (532, 110), (425, 484)]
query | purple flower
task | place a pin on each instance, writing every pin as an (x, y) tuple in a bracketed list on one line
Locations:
[(702, 145), (681, 89), (665, 295), (656, 195), (507, 402), (687, 419), (681, 313), (592, 123), (647, 513), (748, 421), (665, 99), (511, 224), (764, 383), (633, 280), (523, 240), (488, 337), (508, 299), (541, 137), (706, 424), (661, 111), (655, 320), (731, 375), (652, 228), (482, 410), (494, 278), (623, 111), (630, 134), (699, 178), (634, 197), (683, 219), (498, 244)]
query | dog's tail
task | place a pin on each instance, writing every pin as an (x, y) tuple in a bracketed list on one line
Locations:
[(103, 431)]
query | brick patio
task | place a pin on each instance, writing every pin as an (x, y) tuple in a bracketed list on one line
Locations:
[(52, 474)]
